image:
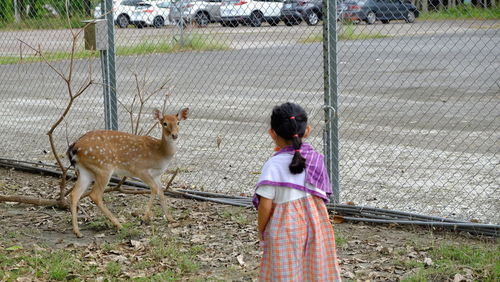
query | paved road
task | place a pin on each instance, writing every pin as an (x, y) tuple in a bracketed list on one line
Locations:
[(420, 111)]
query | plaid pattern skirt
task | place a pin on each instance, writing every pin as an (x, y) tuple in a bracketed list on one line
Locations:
[(299, 243)]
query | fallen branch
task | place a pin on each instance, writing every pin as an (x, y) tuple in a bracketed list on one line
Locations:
[(34, 201)]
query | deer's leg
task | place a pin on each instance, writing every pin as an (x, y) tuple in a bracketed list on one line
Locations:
[(155, 186), (97, 194), (150, 181), (81, 185), (163, 201)]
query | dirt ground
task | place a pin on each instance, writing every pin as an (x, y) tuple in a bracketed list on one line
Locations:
[(208, 241)]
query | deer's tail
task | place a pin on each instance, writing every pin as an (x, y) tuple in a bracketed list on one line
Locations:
[(71, 153)]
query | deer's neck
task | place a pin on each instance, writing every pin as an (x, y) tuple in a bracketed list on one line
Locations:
[(167, 145)]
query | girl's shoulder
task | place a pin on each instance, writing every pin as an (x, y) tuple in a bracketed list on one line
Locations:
[(278, 161)]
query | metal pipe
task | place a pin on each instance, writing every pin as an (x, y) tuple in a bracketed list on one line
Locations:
[(330, 77), (378, 215)]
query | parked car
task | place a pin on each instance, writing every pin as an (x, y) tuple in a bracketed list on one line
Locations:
[(151, 13), (122, 10), (251, 12), (372, 10), (198, 12), (296, 11)]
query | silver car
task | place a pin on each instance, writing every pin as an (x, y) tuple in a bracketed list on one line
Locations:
[(198, 12)]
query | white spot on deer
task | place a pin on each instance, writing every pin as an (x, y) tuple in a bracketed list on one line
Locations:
[(85, 152), (90, 149)]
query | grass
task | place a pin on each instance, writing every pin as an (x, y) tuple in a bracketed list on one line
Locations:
[(113, 268), (340, 240), (129, 230), (191, 43), (348, 32), (462, 12), (172, 249), (449, 259), (236, 214), (43, 23), (56, 265), (62, 265)]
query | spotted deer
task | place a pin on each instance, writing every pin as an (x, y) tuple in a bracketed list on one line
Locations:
[(99, 154)]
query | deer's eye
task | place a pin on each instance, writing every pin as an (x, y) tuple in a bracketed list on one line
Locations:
[(178, 123), (165, 124)]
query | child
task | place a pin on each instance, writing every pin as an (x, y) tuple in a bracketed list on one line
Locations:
[(294, 228)]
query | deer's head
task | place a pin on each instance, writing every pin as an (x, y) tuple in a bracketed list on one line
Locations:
[(170, 123)]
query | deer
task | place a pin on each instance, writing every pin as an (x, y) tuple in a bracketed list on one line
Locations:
[(99, 154)]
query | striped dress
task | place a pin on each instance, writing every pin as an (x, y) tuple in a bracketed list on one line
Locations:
[(298, 242)]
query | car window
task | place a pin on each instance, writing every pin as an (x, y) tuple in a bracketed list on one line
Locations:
[(130, 2), (164, 5)]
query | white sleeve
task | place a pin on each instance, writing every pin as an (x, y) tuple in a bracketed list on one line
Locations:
[(266, 191)]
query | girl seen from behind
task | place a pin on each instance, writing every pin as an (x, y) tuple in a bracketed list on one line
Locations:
[(294, 227)]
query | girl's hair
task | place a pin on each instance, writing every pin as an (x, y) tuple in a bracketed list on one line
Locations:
[(289, 121)]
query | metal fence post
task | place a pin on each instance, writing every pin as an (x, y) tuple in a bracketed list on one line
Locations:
[(331, 133), (109, 71)]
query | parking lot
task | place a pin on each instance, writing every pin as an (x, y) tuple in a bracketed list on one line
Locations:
[(419, 108)]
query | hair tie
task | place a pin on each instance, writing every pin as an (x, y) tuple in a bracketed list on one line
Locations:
[(295, 135), (292, 117), (298, 150)]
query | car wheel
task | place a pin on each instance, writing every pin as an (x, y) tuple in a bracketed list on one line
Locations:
[(256, 19), (158, 22), (371, 18), (181, 23), (410, 17), (311, 18), (385, 21), (202, 19), (122, 21)]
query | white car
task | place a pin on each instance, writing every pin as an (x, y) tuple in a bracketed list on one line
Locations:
[(122, 10), (151, 13), (252, 12)]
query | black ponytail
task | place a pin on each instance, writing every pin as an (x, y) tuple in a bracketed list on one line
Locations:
[(289, 121)]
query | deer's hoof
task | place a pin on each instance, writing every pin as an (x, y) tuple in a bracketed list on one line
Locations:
[(78, 234)]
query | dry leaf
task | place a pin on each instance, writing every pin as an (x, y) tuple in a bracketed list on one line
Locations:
[(240, 260), (337, 219)]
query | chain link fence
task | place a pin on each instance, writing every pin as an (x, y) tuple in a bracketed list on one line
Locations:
[(418, 90)]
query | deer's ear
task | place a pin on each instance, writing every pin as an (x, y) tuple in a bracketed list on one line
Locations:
[(183, 114), (157, 114)]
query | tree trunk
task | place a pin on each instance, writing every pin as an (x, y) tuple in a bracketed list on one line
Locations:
[(425, 5), (17, 18)]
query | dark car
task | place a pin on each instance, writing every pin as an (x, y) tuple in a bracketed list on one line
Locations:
[(372, 10), (296, 11)]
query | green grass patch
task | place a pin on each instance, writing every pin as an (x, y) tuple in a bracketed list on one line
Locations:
[(340, 240), (190, 43), (348, 32), (129, 230), (171, 249), (463, 12), (236, 214), (481, 260), (44, 23), (47, 265), (113, 268), (100, 223)]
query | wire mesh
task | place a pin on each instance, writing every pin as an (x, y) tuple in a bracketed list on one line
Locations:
[(419, 97)]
